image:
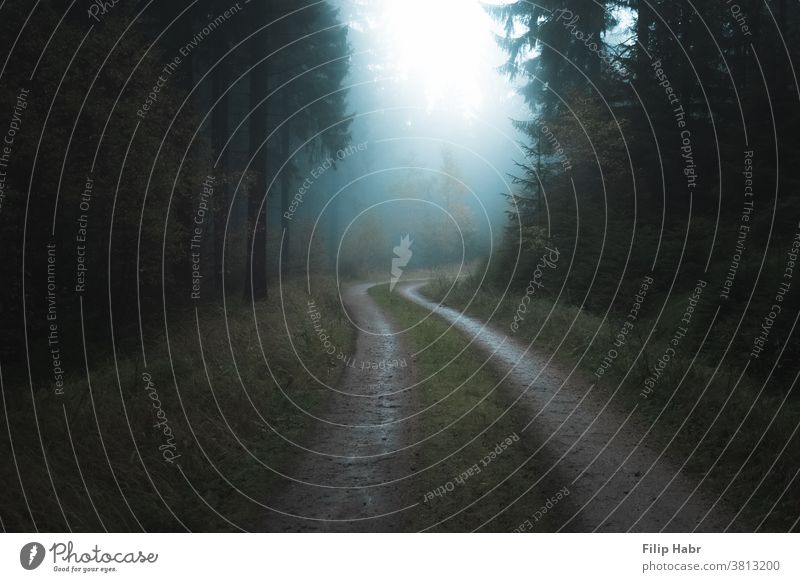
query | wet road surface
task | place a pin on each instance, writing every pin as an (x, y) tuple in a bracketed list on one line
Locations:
[(616, 482)]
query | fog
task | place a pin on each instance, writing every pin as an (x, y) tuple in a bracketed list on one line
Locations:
[(433, 144)]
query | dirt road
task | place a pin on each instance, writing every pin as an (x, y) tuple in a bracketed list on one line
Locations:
[(355, 474), (616, 481), (363, 469)]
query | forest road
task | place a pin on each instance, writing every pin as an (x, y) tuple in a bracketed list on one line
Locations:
[(359, 472), (356, 473), (617, 482)]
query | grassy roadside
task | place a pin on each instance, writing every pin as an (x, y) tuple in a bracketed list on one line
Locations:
[(212, 408), (463, 388), (706, 397)]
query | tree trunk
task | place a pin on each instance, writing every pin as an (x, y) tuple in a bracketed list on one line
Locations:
[(644, 19), (286, 183), (256, 286), (219, 129)]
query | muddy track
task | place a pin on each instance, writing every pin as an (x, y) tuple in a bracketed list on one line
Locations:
[(360, 469), (617, 481), (355, 474)]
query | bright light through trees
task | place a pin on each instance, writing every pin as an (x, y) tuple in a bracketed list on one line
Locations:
[(441, 51)]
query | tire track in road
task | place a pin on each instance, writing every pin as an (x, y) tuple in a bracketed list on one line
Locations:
[(348, 479), (616, 480)]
